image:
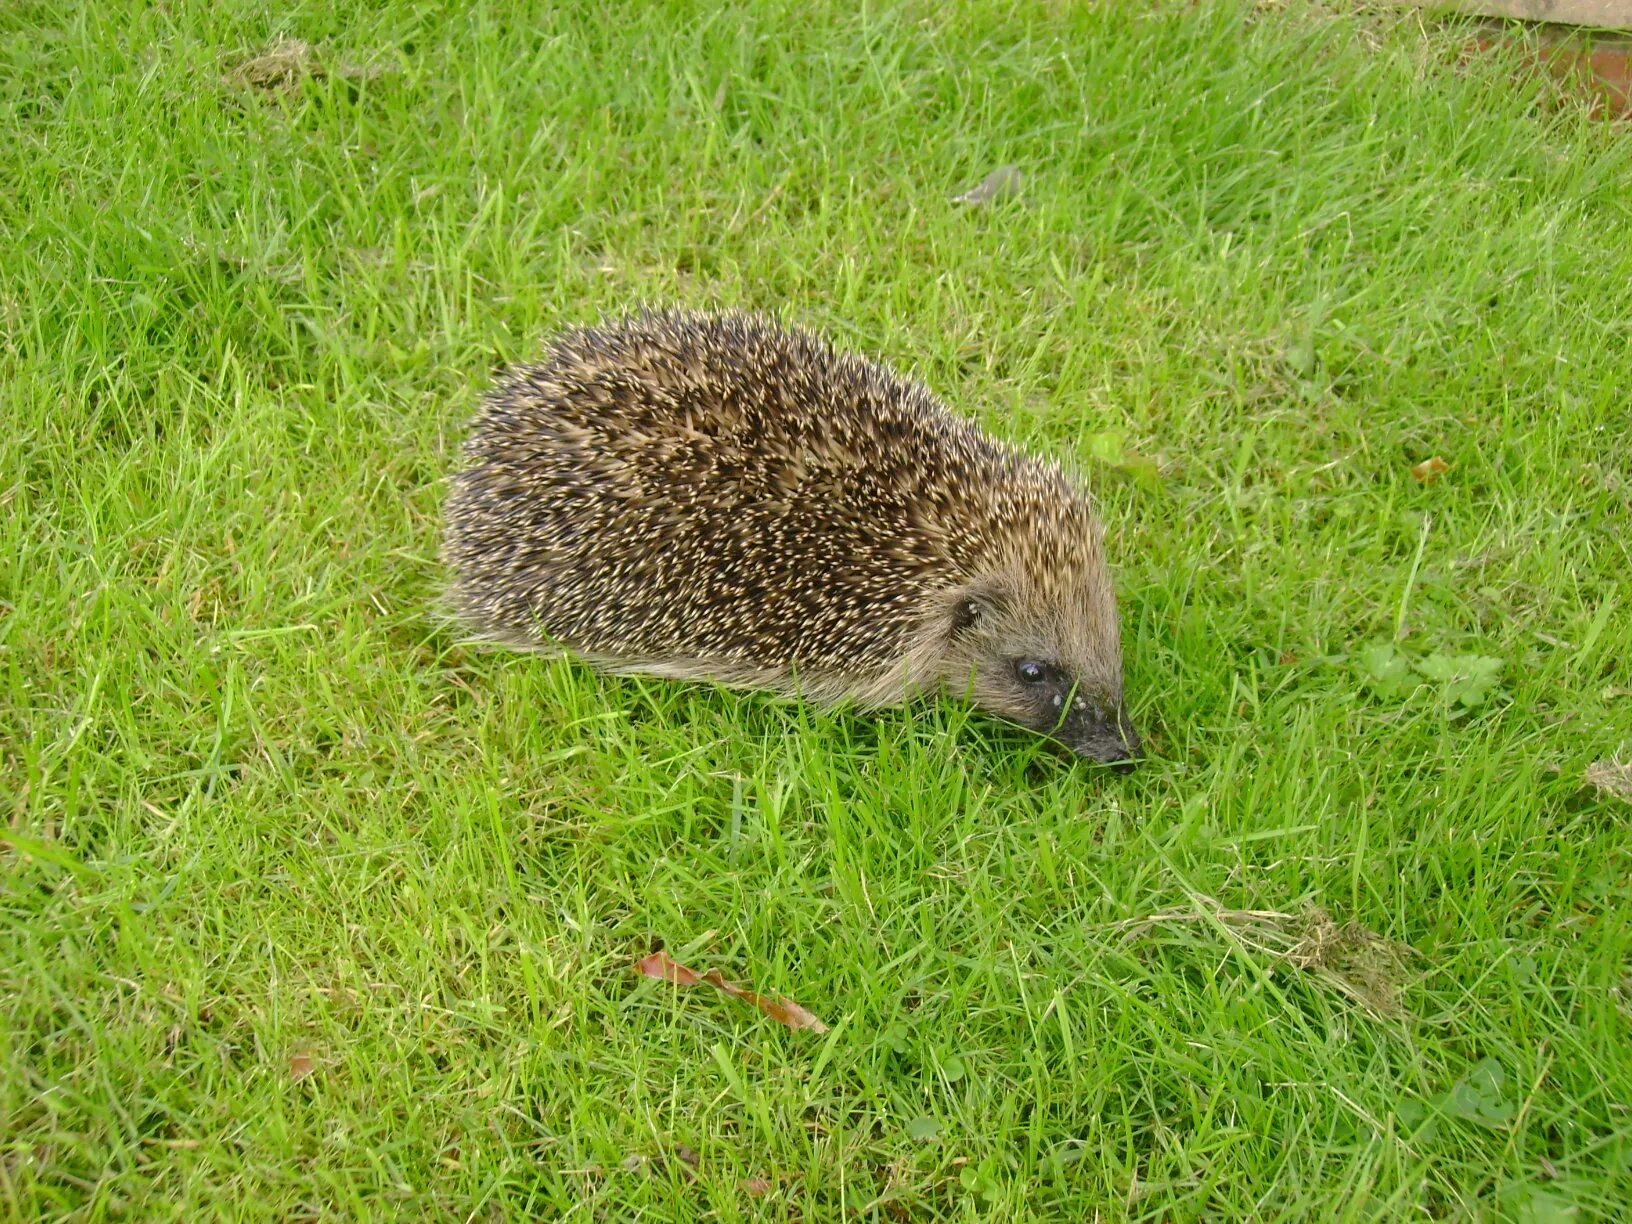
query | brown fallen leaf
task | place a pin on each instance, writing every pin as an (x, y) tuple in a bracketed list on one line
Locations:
[(754, 1187), (664, 968), (301, 1065), (1429, 470), (661, 966), (1612, 778), (784, 1011)]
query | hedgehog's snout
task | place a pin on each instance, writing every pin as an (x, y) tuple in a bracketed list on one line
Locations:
[(1107, 737), (1084, 718)]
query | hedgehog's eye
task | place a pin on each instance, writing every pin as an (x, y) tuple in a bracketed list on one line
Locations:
[(1030, 671)]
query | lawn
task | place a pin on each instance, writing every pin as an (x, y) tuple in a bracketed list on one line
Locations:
[(313, 911)]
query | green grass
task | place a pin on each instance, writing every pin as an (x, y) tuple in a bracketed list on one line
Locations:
[(258, 806)]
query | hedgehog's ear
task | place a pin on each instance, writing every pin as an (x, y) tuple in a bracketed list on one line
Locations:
[(965, 614), (975, 605)]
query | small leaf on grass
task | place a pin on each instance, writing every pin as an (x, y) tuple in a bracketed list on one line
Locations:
[(661, 966), (998, 185), (1385, 669), (1478, 1097), (1110, 448), (301, 1065), (1429, 470), (1464, 679), (1532, 1205), (754, 1187), (1611, 778), (923, 1127), (980, 1180), (1465, 682), (1415, 1119)]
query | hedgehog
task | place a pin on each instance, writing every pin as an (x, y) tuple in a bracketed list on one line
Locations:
[(722, 497)]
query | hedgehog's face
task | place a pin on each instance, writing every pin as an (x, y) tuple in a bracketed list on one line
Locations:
[(1049, 660)]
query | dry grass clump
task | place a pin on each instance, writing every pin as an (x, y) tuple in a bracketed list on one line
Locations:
[(1358, 963)]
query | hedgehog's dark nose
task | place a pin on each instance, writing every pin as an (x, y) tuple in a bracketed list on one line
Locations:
[(1129, 756), (1110, 741), (1110, 751), (1126, 765)]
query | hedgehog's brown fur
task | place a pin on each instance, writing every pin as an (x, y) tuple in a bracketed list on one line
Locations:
[(720, 497)]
